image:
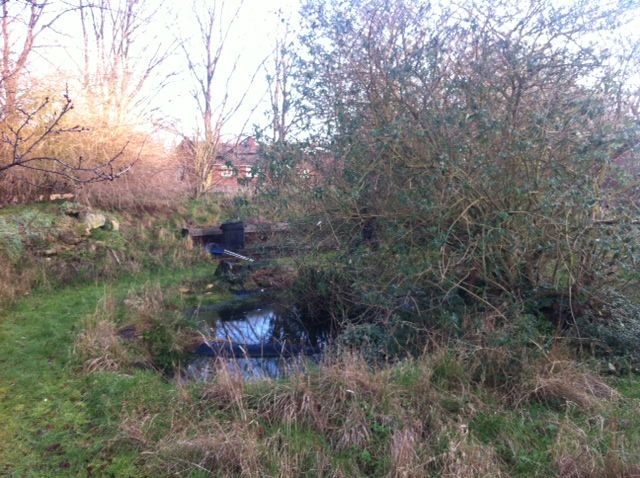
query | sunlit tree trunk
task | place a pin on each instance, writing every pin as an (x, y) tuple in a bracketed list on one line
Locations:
[(117, 68), (14, 62)]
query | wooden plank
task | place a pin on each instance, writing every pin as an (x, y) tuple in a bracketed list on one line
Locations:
[(268, 227), (248, 229), (205, 231)]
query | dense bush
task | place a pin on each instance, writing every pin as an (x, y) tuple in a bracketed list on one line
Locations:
[(482, 159), (612, 327)]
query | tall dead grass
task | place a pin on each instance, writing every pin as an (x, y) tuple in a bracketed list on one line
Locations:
[(98, 345), (153, 183), (152, 176), (345, 418), (558, 380), (344, 407)]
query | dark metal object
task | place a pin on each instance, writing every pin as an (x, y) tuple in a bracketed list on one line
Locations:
[(217, 250), (233, 235)]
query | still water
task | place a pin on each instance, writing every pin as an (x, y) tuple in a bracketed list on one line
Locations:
[(257, 330)]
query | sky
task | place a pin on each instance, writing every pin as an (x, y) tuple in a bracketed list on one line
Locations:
[(251, 41)]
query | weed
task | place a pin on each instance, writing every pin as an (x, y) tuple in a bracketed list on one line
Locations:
[(230, 451), (98, 345), (562, 382)]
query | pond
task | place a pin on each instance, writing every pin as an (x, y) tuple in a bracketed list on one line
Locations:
[(256, 337)]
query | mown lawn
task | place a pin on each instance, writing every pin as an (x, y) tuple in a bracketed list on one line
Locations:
[(54, 419)]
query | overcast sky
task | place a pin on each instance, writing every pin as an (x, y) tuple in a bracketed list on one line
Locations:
[(251, 41)]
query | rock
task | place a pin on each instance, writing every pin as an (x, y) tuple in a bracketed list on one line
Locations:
[(94, 220), (209, 286), (49, 252), (72, 209), (57, 197), (184, 290), (111, 225)]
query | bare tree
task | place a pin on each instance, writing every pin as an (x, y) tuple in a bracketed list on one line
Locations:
[(12, 68), (279, 79), (121, 57), (215, 102), (28, 124), (22, 23)]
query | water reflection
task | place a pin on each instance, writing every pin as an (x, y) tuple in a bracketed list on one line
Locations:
[(251, 327), (258, 328), (204, 368)]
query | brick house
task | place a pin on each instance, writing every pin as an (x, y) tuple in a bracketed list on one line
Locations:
[(233, 167)]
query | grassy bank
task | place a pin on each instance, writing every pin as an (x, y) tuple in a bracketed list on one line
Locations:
[(431, 416), (55, 419), (87, 354)]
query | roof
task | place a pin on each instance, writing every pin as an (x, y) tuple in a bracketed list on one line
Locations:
[(245, 153)]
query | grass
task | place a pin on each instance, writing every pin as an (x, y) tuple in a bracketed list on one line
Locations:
[(54, 420), (78, 400), (343, 419), (424, 417)]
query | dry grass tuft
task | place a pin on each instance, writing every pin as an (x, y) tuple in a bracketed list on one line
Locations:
[(295, 403), (576, 455), (145, 305), (406, 446), (98, 345), (563, 382), (232, 451), (317, 397), (467, 458), (295, 459), (227, 391), (134, 429), (573, 455), (329, 400), (350, 375), (355, 429)]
